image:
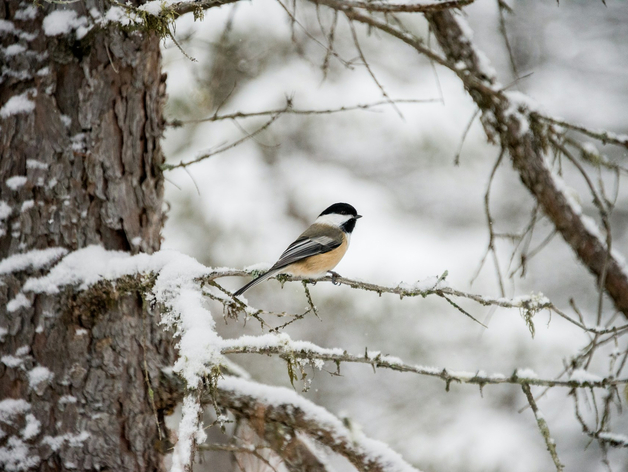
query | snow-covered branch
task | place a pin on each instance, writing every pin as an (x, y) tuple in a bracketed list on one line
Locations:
[(290, 350), (252, 400), (529, 305), (180, 285)]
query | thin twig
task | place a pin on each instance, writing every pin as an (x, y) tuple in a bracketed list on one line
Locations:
[(591, 156), (308, 295), (601, 135), (330, 42), (489, 222), (501, 6), (464, 137), (309, 35), (542, 424), (288, 109), (404, 36), (223, 148), (540, 421), (366, 64)]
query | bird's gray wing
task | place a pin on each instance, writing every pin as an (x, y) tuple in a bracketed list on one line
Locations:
[(317, 239), (307, 246)]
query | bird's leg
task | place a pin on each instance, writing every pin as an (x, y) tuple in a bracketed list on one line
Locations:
[(334, 276)]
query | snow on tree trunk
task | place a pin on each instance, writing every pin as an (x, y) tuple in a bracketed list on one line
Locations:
[(80, 119)]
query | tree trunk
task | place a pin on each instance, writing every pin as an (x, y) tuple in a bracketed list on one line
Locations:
[(81, 119)]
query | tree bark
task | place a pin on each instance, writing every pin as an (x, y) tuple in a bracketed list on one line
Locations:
[(78, 368)]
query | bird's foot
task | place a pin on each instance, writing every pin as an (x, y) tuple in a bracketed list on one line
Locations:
[(334, 277)]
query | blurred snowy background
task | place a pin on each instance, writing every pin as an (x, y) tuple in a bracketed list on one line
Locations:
[(422, 214)]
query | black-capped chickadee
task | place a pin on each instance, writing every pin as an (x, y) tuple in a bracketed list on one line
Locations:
[(319, 248)]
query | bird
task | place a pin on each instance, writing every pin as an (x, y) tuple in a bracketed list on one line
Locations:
[(318, 249)]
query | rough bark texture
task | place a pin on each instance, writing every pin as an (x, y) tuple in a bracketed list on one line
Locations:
[(90, 153)]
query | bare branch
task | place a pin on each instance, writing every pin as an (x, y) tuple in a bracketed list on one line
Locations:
[(590, 155), (223, 148), (540, 421), (328, 50), (501, 7), (194, 6), (464, 137), (404, 36), (366, 64), (288, 109), (489, 222)]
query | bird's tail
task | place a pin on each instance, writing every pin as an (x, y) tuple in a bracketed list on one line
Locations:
[(256, 281)]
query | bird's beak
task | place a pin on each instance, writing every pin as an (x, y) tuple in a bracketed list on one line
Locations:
[(357, 217)]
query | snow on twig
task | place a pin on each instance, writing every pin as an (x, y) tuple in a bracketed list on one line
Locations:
[(286, 348)]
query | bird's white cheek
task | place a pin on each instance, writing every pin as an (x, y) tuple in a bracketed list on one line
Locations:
[(333, 219)]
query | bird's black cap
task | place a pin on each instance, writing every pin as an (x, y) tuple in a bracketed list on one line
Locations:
[(340, 209)]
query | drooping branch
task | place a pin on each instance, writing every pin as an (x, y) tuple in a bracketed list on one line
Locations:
[(284, 440)]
